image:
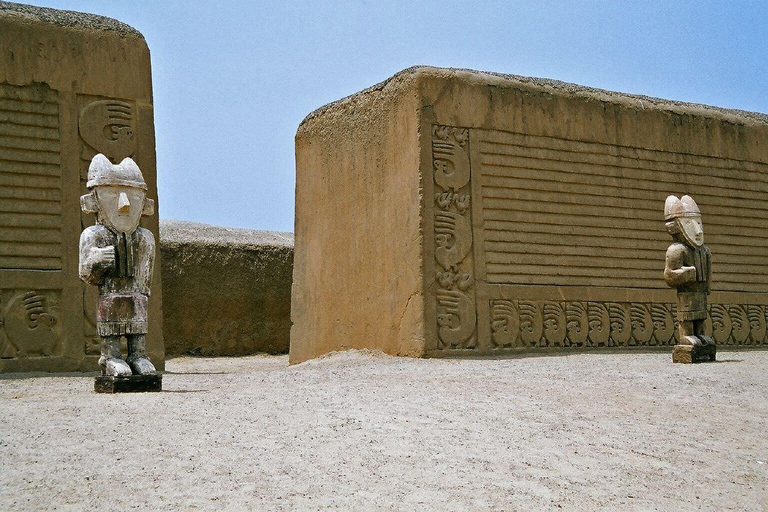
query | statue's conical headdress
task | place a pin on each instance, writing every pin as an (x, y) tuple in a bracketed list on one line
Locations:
[(683, 207), (126, 174)]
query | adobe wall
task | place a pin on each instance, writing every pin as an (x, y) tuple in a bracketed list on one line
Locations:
[(226, 292), (71, 85), (540, 216)]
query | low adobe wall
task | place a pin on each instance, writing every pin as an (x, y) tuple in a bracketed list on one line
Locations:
[(226, 292)]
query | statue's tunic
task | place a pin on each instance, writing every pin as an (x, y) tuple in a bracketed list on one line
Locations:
[(124, 287), (691, 295)]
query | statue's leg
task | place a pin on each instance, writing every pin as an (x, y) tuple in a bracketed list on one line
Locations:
[(687, 334), (701, 332), (137, 355), (110, 361)]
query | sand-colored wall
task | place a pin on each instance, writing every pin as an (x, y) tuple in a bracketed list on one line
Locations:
[(541, 216), (71, 85), (357, 279), (567, 191), (227, 292)]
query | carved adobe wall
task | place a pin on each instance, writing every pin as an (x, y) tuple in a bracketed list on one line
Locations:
[(541, 214), (71, 85), (564, 196)]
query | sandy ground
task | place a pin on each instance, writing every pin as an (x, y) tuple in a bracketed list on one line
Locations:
[(362, 431)]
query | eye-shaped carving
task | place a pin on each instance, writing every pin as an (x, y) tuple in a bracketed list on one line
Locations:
[(450, 157), (108, 127)]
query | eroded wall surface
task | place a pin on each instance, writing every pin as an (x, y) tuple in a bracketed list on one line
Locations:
[(226, 291), (542, 214), (71, 85), (357, 280)]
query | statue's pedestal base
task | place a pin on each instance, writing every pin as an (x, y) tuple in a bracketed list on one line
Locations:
[(693, 353), (132, 384)]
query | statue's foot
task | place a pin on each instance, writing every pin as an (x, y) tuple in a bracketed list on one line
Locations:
[(690, 340), (141, 366), (114, 367), (707, 340)]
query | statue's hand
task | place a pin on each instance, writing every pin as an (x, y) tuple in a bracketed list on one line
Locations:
[(106, 256), (688, 273)]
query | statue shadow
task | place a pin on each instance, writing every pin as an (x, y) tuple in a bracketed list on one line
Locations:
[(196, 373)]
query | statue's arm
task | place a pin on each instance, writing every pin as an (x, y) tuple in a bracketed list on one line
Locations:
[(675, 273), (146, 259), (709, 271), (95, 261)]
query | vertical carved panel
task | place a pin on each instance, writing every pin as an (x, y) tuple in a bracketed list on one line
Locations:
[(456, 312), (30, 178)]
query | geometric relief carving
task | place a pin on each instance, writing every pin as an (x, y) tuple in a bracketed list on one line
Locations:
[(739, 324), (450, 158), (108, 127), (599, 324), (456, 309), (505, 324), (531, 323), (30, 324), (721, 323), (642, 325), (578, 323), (520, 324), (555, 324), (664, 323), (757, 324), (621, 324), (30, 178)]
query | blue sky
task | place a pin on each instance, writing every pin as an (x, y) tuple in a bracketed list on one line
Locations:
[(233, 80)]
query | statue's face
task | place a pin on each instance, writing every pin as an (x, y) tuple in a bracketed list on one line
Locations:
[(120, 207), (692, 230)]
